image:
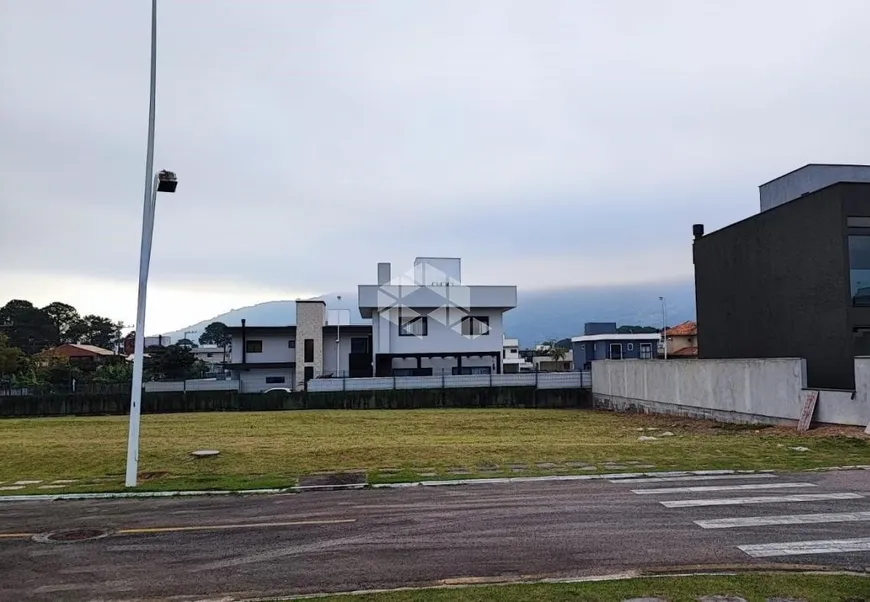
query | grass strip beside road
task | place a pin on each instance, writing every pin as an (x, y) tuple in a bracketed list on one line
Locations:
[(273, 449), (751, 587)]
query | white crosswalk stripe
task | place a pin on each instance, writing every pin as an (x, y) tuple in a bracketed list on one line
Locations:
[(707, 488), (794, 548), (732, 483), (725, 477), (787, 519), (771, 499)]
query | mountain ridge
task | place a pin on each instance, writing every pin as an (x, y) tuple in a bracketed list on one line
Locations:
[(540, 314)]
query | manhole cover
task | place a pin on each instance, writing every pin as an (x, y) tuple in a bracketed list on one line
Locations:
[(71, 536)]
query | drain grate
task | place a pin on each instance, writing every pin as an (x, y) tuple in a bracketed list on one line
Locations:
[(71, 536)]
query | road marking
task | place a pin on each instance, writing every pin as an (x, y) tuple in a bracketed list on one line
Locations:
[(15, 535), (771, 499), (722, 488), (145, 530), (788, 519), (694, 478), (794, 548), (11, 487), (27, 482)]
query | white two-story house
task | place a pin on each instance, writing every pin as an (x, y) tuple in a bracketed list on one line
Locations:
[(427, 322), (265, 357)]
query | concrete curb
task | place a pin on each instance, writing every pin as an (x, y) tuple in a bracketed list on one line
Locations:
[(615, 476)]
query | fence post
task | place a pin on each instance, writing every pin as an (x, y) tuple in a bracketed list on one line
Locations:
[(343, 384)]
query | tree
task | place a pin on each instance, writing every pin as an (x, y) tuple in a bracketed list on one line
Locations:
[(65, 319), (557, 353), (216, 334), (27, 327), (98, 331), (12, 359), (636, 329), (173, 363), (114, 373)]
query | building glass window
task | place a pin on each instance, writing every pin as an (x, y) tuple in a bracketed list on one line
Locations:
[(291, 344), (254, 346), (275, 380), (309, 351), (359, 345), (418, 326), (474, 326), (616, 351), (646, 351), (859, 269)]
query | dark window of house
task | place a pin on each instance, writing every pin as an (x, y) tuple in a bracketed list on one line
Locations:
[(616, 351), (309, 351), (473, 326), (630, 347), (359, 345), (291, 344), (209, 355), (418, 326), (412, 371), (309, 373), (646, 351), (275, 380), (859, 269), (467, 370), (254, 346)]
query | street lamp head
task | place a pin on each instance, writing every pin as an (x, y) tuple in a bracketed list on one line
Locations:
[(166, 181)]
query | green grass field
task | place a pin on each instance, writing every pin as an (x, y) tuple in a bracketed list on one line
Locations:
[(272, 449), (753, 588)]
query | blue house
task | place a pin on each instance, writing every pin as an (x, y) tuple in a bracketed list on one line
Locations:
[(600, 341)]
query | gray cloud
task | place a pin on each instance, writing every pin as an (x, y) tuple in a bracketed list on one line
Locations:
[(314, 139)]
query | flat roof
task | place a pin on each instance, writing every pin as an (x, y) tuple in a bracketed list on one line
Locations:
[(645, 336), (814, 165)]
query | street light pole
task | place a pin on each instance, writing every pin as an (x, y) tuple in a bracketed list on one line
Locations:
[(664, 327), (338, 341), (165, 181)]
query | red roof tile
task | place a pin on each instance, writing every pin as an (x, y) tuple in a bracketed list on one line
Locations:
[(686, 329)]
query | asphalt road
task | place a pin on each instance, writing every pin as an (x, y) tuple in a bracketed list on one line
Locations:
[(257, 546)]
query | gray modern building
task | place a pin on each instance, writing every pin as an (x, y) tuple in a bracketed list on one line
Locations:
[(793, 280), (600, 341)]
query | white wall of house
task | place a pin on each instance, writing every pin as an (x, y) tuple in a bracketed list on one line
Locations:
[(330, 350), (440, 338), (255, 381), (275, 348)]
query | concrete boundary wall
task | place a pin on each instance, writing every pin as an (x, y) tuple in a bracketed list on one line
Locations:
[(739, 390), (758, 389)]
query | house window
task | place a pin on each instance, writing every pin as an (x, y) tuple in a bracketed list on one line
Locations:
[(412, 371), (309, 373), (474, 326), (209, 355), (630, 347), (466, 370), (359, 345), (291, 344), (309, 351), (616, 351), (859, 269), (418, 326), (275, 380), (646, 351), (254, 346)]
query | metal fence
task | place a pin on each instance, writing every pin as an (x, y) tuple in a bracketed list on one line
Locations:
[(540, 380)]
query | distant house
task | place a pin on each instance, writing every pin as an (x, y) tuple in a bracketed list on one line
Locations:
[(600, 341), (81, 353), (682, 340), (512, 361)]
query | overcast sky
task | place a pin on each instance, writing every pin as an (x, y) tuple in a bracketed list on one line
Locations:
[(547, 143)]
